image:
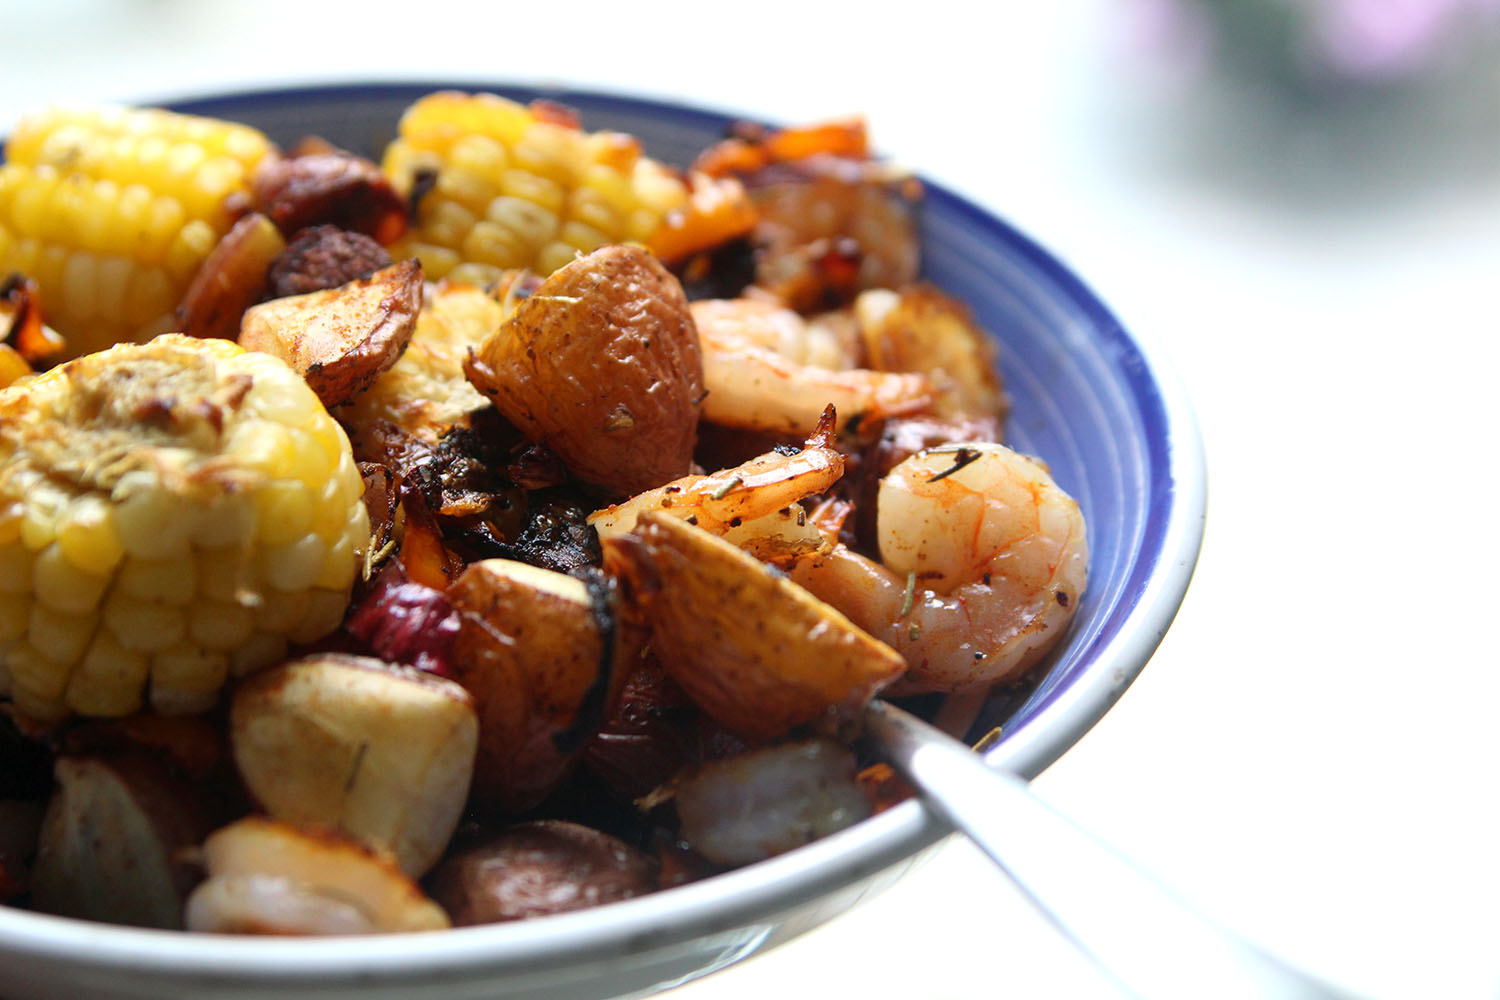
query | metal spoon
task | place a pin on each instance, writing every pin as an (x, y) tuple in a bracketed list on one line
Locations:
[(1144, 938)]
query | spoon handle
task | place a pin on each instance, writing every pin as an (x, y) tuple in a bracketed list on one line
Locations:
[(1145, 939)]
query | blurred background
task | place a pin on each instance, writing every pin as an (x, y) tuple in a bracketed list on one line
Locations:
[(1300, 201)]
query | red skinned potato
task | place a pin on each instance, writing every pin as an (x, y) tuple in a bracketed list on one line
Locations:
[(537, 869), (754, 650), (380, 752), (543, 666), (602, 365), (340, 339)]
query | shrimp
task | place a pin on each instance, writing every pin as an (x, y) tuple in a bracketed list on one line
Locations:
[(267, 877), (753, 505), (919, 329), (983, 561), (784, 388)]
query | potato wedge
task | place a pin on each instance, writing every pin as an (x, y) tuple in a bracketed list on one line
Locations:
[(754, 650), (231, 280), (379, 752), (541, 666), (602, 365), (425, 392), (340, 339)]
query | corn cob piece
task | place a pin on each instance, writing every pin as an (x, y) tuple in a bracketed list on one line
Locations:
[(172, 514), (500, 186), (112, 210)]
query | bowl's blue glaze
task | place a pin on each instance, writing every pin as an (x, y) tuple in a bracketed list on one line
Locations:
[(1092, 400)]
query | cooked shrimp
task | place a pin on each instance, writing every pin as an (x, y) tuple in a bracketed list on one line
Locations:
[(753, 505), (266, 877), (751, 384), (919, 329), (983, 561), (822, 341)]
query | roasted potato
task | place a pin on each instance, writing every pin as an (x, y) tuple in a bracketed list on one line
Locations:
[(543, 668), (540, 868), (426, 392), (602, 365), (382, 753), (340, 339), (755, 651)]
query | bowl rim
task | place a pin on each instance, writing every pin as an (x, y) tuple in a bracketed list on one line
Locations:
[(740, 897)]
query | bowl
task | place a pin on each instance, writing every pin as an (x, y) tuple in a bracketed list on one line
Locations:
[(1094, 401)]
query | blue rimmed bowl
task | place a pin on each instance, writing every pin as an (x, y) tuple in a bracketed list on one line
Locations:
[(1091, 399)]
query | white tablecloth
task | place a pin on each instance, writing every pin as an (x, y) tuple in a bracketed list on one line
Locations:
[(1312, 754)]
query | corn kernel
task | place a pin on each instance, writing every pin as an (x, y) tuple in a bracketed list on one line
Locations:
[(15, 569), (339, 562), (188, 250), (555, 255), (108, 680), (144, 626), (295, 566), (478, 275), (15, 615), (220, 625), (259, 651), (531, 224), (470, 190), (231, 521), (437, 261), (86, 535), (35, 674), (62, 586), (321, 614), (149, 520), (284, 512), (223, 575), (38, 708), (114, 283), (446, 222), (489, 243), (540, 191), (61, 638), (39, 524), (185, 679), (170, 581)]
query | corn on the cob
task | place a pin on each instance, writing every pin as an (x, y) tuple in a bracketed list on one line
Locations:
[(112, 211), (500, 186), (171, 514)]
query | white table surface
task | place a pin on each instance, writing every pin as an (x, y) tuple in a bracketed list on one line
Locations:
[(1312, 754)]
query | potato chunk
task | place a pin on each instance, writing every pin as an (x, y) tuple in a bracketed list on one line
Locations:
[(602, 365), (340, 339), (754, 650), (540, 663), (380, 752), (540, 868)]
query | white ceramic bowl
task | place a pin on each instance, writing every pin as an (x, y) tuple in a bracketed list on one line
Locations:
[(1088, 397)]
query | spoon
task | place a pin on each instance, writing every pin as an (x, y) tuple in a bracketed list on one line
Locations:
[(1149, 942)]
